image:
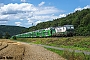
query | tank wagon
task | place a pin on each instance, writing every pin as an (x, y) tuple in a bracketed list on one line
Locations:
[(66, 30)]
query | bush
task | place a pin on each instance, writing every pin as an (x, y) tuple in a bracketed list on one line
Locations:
[(14, 37)]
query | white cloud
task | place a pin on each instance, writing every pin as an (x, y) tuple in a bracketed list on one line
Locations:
[(18, 23), (47, 10), (88, 6), (42, 3), (4, 18), (28, 12), (62, 15), (31, 14), (38, 22), (3, 22), (23, 1), (78, 9)]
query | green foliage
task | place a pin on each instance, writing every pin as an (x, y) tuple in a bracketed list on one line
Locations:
[(12, 30), (1, 35), (70, 55), (14, 37), (80, 19), (76, 43), (60, 52), (7, 36)]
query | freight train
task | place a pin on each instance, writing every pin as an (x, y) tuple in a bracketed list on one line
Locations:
[(66, 30)]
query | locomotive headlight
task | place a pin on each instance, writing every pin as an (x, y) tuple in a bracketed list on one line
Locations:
[(72, 27)]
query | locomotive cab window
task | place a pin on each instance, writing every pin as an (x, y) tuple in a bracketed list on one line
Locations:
[(68, 27)]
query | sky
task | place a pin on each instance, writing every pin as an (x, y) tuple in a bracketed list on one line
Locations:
[(29, 13)]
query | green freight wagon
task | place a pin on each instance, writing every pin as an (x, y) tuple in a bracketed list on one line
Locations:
[(66, 30), (47, 32), (34, 34), (40, 33)]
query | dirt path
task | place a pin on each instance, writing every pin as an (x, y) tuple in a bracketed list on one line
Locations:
[(11, 50)]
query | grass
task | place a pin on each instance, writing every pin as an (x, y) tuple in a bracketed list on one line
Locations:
[(75, 43), (70, 55)]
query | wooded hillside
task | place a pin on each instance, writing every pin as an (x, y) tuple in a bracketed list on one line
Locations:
[(10, 30), (80, 19)]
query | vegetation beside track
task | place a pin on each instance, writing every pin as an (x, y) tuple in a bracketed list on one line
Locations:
[(70, 55), (75, 43)]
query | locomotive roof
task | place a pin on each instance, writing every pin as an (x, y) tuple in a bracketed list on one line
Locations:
[(67, 25)]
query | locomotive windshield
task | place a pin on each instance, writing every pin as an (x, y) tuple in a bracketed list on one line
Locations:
[(69, 26)]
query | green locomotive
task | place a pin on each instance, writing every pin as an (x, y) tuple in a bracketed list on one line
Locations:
[(66, 30)]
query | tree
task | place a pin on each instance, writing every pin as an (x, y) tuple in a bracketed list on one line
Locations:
[(14, 37), (80, 20), (1, 35), (7, 35), (86, 19)]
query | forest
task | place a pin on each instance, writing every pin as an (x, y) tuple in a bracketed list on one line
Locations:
[(7, 31), (80, 20)]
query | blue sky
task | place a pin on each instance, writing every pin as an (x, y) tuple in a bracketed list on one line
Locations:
[(26, 12)]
